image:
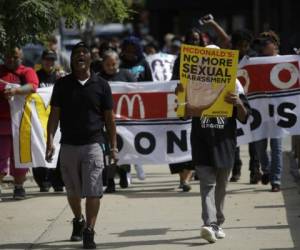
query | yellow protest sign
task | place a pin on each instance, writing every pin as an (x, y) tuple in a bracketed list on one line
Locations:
[(207, 75)]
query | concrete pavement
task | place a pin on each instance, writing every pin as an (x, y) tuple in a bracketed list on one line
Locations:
[(154, 214)]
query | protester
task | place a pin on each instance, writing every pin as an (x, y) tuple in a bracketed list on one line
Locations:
[(184, 169), (96, 59), (12, 71), (241, 40), (151, 48), (296, 139), (82, 103), (111, 68), (175, 46), (52, 44), (132, 59), (48, 74), (192, 37), (111, 72), (267, 44), (213, 149), (168, 39), (222, 38)]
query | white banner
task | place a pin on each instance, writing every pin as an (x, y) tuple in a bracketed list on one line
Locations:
[(161, 65), (273, 87), (148, 130), (29, 124), (154, 142)]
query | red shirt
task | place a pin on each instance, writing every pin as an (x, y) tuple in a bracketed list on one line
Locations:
[(22, 75)]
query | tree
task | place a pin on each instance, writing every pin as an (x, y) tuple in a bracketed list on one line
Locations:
[(23, 21)]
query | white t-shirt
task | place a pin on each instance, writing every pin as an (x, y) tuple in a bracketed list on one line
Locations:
[(83, 82)]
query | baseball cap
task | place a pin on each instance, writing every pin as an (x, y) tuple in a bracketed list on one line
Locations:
[(49, 54), (79, 45)]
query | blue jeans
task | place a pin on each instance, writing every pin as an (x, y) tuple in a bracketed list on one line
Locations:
[(273, 167)]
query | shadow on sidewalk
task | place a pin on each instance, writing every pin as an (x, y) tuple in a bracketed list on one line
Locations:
[(291, 199), (292, 202), (156, 190), (105, 245), (8, 197), (46, 245)]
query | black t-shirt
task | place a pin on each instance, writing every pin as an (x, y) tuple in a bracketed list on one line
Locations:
[(213, 140), (123, 75), (175, 73), (46, 79), (141, 70), (82, 108)]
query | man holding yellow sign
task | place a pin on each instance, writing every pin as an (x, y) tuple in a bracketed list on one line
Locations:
[(210, 93)]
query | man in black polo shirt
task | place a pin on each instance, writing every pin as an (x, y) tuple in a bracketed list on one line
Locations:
[(82, 103)]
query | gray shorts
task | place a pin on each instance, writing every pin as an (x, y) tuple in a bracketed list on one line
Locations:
[(81, 169)]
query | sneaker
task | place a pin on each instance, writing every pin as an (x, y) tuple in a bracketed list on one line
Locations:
[(123, 179), (236, 173), (111, 186), (265, 179), (275, 188), (140, 174), (208, 234), (19, 193), (220, 234), (58, 189), (78, 227), (235, 178), (255, 177), (44, 189), (129, 179), (88, 238), (186, 187)]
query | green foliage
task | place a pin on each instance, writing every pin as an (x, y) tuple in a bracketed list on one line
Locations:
[(23, 21)]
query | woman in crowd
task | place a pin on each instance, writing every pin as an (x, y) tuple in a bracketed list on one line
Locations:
[(111, 71)]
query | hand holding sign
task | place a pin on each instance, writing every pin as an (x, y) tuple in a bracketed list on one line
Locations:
[(232, 98), (199, 97)]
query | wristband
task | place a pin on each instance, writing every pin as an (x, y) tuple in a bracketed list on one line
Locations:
[(114, 150)]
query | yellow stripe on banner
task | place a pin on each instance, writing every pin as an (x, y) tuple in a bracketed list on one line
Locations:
[(26, 125)]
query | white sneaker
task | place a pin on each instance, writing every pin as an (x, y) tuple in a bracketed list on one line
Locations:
[(220, 234), (128, 176), (208, 234), (140, 174)]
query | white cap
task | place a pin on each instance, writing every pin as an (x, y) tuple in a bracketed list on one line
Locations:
[(212, 46)]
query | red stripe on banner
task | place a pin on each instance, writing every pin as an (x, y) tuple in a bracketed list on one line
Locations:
[(141, 105), (270, 77)]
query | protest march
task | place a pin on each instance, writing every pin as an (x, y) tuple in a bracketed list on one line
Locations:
[(144, 109), (135, 103)]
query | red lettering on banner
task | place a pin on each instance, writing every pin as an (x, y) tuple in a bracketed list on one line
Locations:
[(207, 52), (141, 105), (270, 77)]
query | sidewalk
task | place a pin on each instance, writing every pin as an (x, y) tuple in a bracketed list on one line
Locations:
[(153, 214)]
